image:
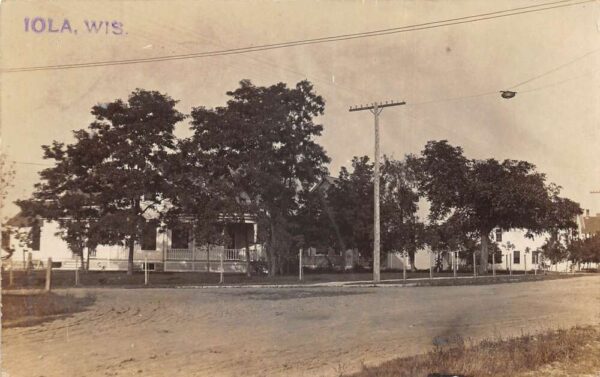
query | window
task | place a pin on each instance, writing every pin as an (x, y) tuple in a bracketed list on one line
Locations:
[(36, 232), (149, 236), (179, 238), (517, 257), (534, 257)]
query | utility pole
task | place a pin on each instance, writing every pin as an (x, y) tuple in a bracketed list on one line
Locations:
[(376, 108)]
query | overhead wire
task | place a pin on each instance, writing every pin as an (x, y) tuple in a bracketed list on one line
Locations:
[(336, 38)]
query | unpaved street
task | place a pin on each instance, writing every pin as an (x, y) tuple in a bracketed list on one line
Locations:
[(283, 332)]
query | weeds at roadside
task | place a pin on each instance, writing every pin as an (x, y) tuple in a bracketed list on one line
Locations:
[(494, 357)]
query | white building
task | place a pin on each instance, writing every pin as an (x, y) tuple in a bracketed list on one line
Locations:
[(168, 250)]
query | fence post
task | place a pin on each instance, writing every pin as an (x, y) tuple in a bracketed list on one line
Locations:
[(404, 266), (10, 274), (29, 263), (76, 273), (455, 255), (49, 275), (300, 264), (222, 278), (145, 270)]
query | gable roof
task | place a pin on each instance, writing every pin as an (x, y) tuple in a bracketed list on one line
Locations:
[(21, 221), (325, 183), (590, 224)]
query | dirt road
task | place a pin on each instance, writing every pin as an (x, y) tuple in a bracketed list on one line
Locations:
[(283, 332)]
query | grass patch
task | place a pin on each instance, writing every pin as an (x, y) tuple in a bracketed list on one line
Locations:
[(63, 278), (27, 310), (498, 357)]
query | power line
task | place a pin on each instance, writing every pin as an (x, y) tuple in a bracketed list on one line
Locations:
[(336, 38), (31, 163), (555, 69)]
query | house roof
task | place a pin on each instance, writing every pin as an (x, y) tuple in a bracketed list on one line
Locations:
[(325, 183), (590, 224), (21, 221)]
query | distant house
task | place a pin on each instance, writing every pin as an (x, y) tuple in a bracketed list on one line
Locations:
[(20, 235), (588, 225), (168, 250)]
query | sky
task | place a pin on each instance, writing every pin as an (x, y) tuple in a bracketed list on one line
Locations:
[(450, 77)]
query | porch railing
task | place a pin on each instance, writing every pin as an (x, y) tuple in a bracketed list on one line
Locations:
[(179, 254), (202, 254)]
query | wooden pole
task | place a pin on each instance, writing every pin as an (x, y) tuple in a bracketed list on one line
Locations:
[(145, 270), (208, 257), (29, 262), (404, 266), (300, 264), (222, 277), (376, 235), (493, 264), (455, 255), (510, 265), (474, 267), (376, 109), (49, 275), (76, 273), (11, 274)]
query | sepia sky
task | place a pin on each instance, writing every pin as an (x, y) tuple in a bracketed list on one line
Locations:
[(450, 76)]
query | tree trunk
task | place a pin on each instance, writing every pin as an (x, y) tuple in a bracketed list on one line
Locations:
[(130, 258), (82, 260), (271, 251), (87, 262), (411, 260), (207, 256), (483, 261), (271, 259)]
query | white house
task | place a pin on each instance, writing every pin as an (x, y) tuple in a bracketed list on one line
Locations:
[(168, 250)]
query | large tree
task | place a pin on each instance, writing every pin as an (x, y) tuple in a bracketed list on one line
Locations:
[(105, 184), (264, 142), (481, 195), (66, 193), (351, 199), (402, 230)]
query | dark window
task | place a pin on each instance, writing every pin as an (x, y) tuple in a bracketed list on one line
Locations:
[(36, 233), (149, 236), (498, 235), (517, 257), (179, 238), (534, 257)]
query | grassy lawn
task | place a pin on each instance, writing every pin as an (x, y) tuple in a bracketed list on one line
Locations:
[(60, 279), (555, 353), (27, 310)]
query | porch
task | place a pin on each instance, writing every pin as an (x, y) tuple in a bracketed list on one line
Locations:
[(208, 259), (184, 253)]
